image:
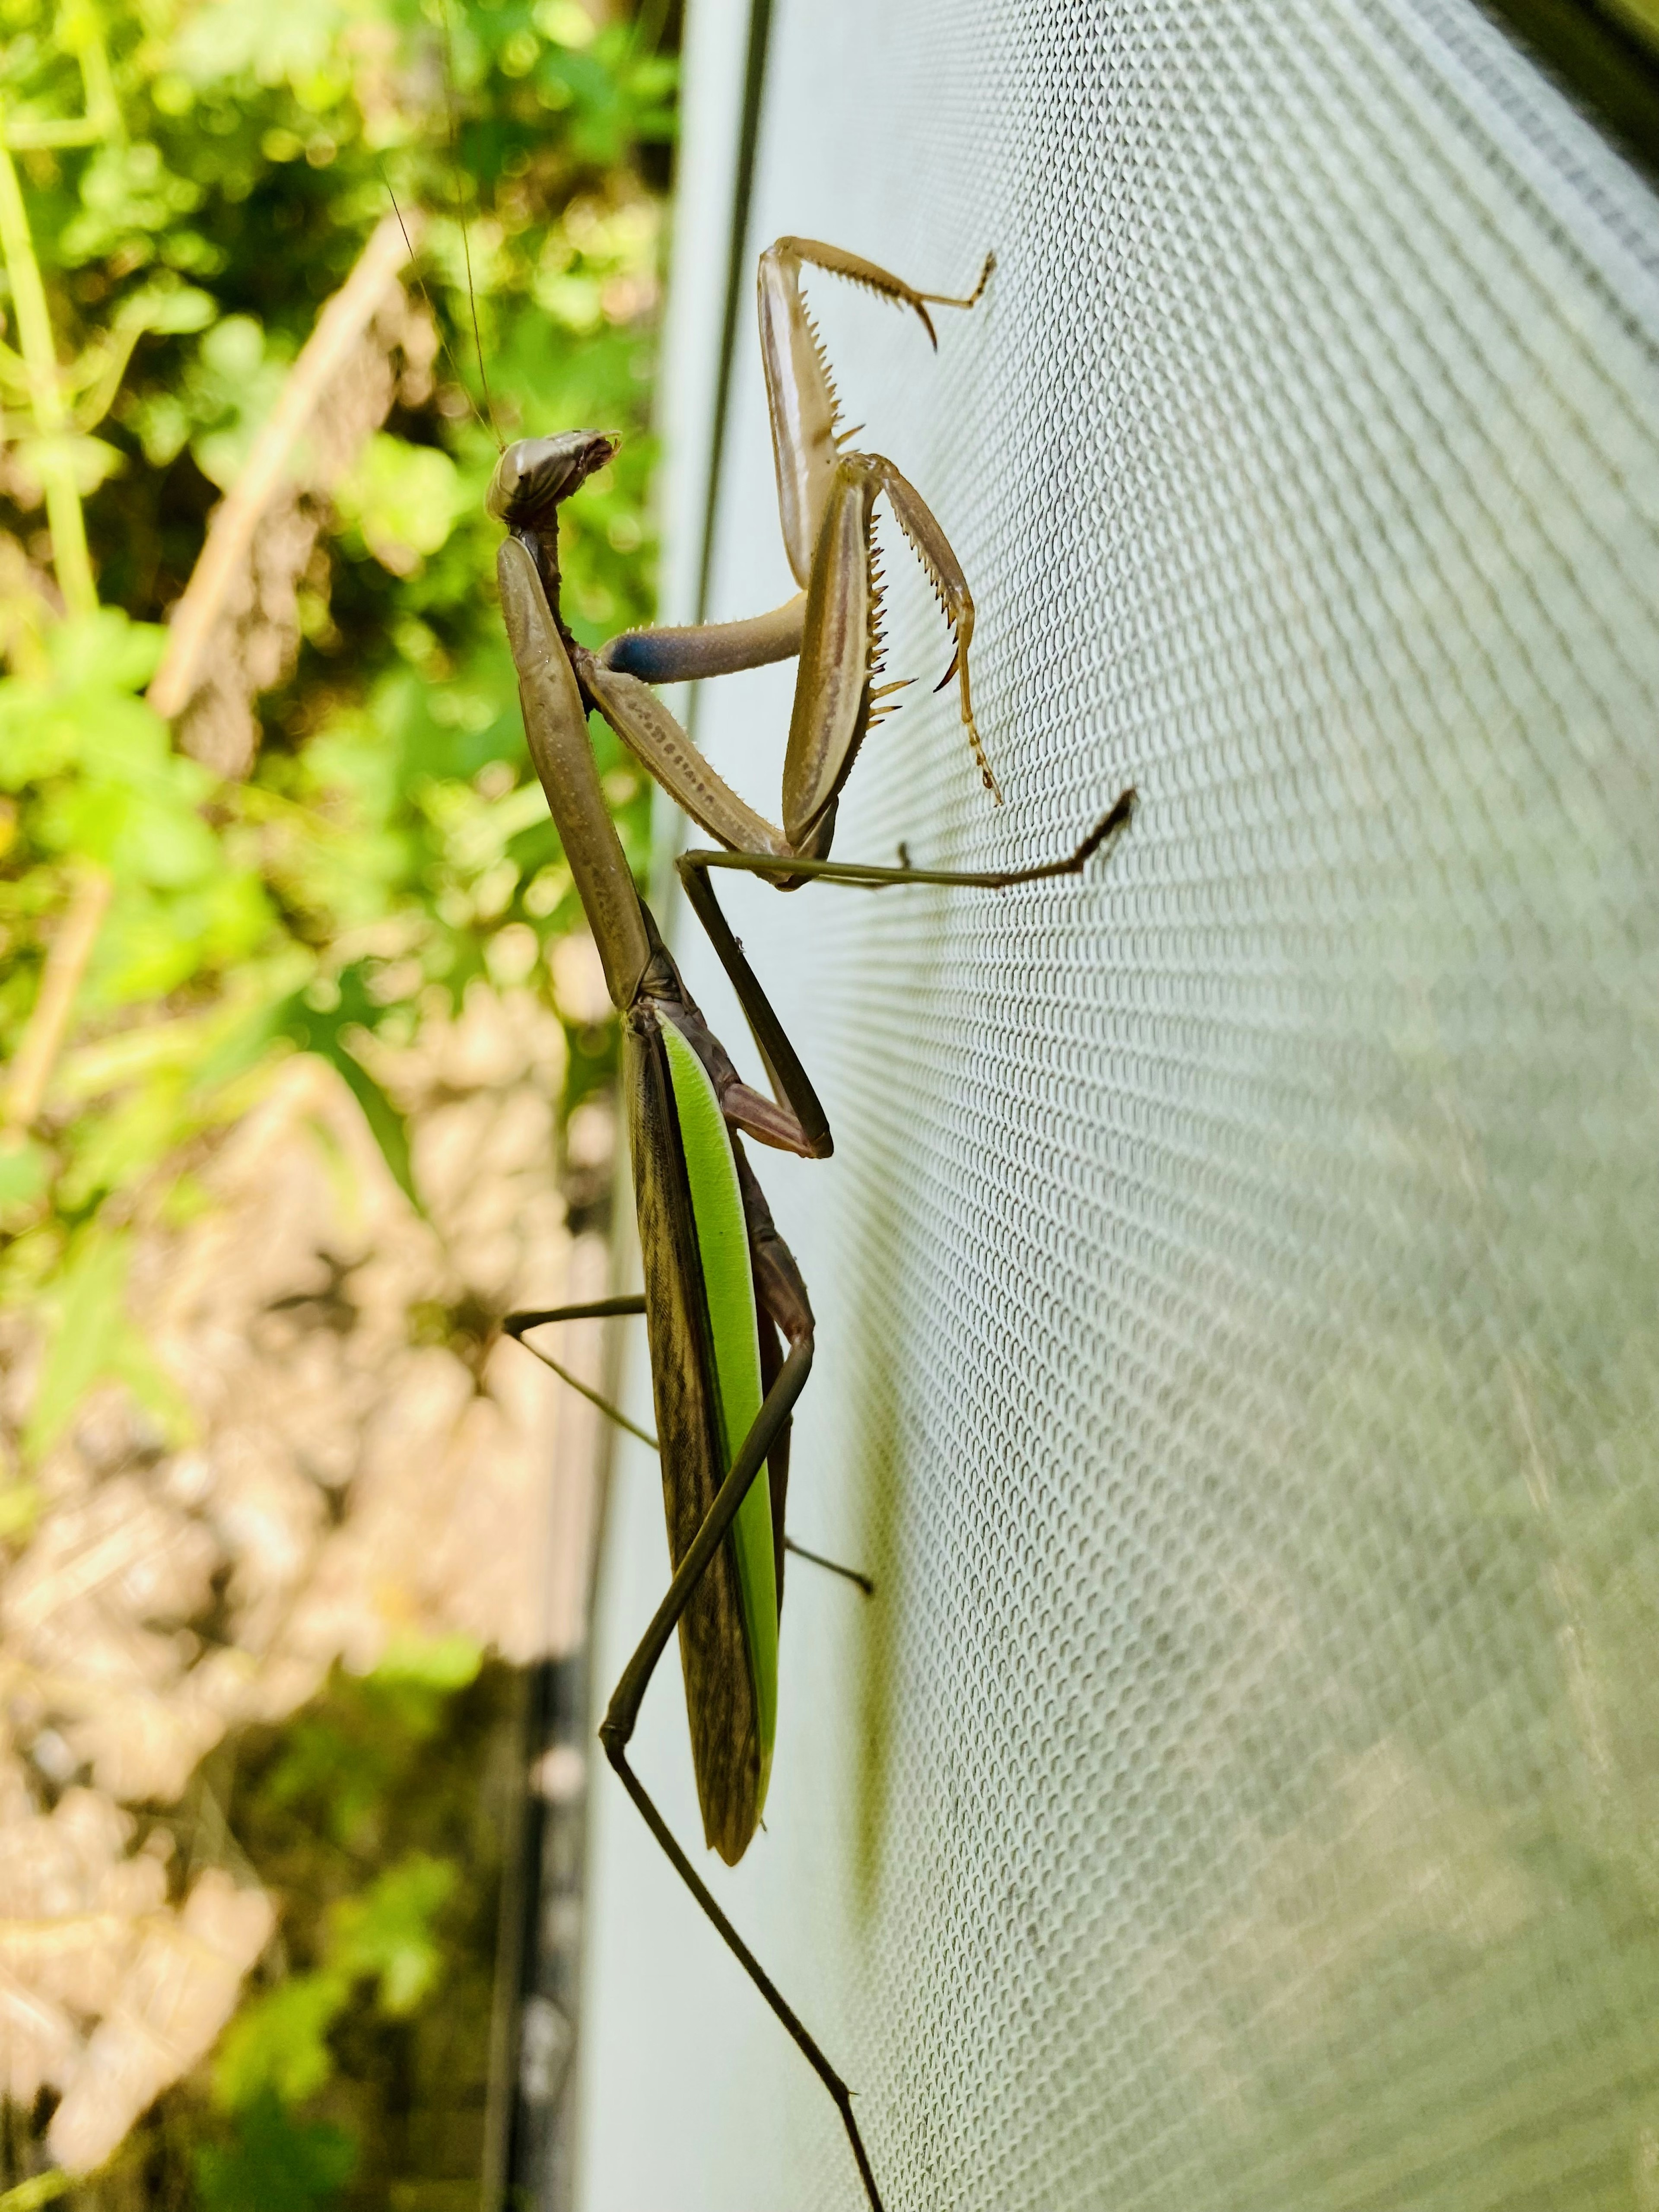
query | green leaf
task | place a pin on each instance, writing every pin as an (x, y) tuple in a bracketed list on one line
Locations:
[(218, 45), (108, 650), (278, 2044), (322, 1032), (162, 423), (110, 1151), (170, 309), (446, 1663), (91, 461), (565, 21), (233, 387), (204, 1049), (20, 1508), (24, 1166), (387, 1932), (85, 712), (139, 838), (403, 499), (125, 190), (38, 738), (40, 2189), (153, 942), (276, 2164)]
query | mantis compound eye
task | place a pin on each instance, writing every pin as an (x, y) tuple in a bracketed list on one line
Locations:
[(534, 474)]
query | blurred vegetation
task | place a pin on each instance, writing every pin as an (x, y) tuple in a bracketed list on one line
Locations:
[(184, 184), (225, 166), (355, 2073)]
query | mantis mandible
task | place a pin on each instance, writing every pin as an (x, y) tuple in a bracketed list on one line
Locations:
[(728, 1321)]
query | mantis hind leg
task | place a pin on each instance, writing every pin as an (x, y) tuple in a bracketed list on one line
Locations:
[(853, 1575), (617, 1727), (517, 1325)]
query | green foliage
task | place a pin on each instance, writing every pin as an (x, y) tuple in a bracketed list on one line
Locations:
[(273, 2163), (277, 2045), (381, 2011), (197, 181), (99, 782), (442, 1663), (93, 1340), (40, 2190), (338, 1762)]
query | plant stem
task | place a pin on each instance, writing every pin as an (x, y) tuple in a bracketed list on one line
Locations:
[(48, 1023), (40, 2189), (53, 463)]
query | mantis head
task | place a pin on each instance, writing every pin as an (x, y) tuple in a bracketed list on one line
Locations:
[(534, 474)]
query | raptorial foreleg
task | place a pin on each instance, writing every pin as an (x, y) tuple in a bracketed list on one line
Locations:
[(685, 655), (837, 697), (807, 437)]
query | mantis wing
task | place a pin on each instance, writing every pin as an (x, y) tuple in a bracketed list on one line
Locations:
[(706, 1379)]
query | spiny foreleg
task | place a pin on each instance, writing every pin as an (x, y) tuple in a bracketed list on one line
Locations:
[(838, 699), (807, 433)]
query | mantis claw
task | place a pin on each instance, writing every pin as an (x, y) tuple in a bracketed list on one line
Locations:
[(971, 298)]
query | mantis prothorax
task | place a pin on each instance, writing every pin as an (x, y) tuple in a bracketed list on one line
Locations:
[(727, 1316)]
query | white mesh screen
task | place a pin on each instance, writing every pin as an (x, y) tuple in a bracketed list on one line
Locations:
[(1237, 1278)]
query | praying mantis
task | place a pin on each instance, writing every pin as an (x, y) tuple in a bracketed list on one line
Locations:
[(728, 1321)]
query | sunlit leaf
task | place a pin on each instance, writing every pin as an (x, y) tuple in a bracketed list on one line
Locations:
[(23, 1170), (446, 1663), (95, 1341), (388, 1931), (90, 461), (107, 648), (324, 1030), (154, 943), (137, 836), (20, 1508), (170, 309), (403, 499), (227, 39), (278, 2044)]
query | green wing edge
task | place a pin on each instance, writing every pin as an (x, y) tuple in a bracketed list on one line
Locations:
[(729, 1283)]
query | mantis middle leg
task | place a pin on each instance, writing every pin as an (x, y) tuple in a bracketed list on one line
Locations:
[(783, 1068)]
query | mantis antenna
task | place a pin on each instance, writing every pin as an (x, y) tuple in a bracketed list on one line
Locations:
[(460, 216), (484, 424), (486, 417)]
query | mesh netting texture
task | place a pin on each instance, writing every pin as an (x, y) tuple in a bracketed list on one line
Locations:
[(1235, 1281)]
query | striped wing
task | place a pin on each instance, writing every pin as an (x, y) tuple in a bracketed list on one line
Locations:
[(706, 1379)]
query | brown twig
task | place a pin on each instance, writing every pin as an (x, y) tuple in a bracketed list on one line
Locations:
[(230, 534), (48, 1023)]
